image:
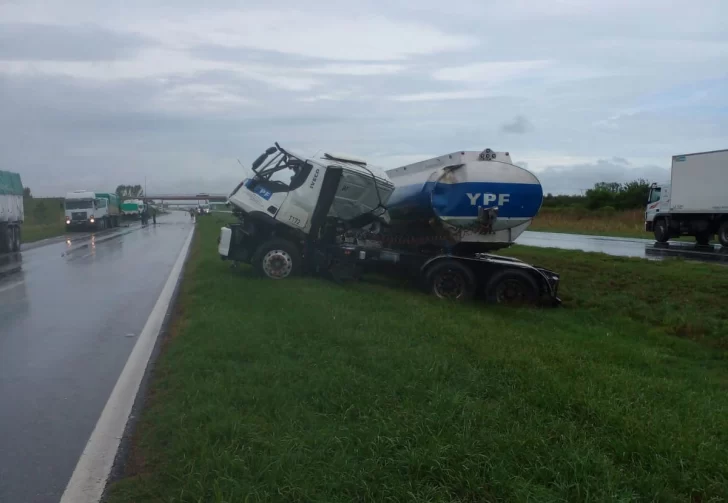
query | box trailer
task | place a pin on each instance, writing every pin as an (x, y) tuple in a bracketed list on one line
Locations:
[(695, 202)]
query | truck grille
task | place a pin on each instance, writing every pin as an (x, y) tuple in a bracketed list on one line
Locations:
[(78, 215)]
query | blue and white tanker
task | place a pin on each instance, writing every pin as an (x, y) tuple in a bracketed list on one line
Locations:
[(434, 220), (480, 199)]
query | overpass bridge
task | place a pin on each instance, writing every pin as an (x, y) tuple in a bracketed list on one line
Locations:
[(213, 198)]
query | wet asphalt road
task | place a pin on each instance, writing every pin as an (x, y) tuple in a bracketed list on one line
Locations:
[(625, 247), (70, 313)]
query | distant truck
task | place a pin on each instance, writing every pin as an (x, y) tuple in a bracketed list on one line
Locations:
[(132, 208), (98, 210), (11, 211), (695, 203)]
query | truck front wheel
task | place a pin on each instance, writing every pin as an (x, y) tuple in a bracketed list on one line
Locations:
[(662, 231), (723, 233), (276, 259), (449, 279), (512, 287)]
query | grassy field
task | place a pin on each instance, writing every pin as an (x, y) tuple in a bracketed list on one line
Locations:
[(305, 390), (43, 218), (628, 223)]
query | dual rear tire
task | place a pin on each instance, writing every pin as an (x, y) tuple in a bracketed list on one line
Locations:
[(723, 233), (10, 239), (451, 279)]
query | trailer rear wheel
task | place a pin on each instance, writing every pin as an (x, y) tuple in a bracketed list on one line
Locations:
[(8, 244), (16, 239), (3, 239), (512, 287), (449, 279), (723, 233), (276, 259)]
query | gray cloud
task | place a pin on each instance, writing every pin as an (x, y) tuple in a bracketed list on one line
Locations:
[(32, 41), (519, 125), (577, 178), (94, 94)]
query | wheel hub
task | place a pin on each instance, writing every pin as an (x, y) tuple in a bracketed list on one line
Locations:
[(449, 285), (511, 291), (277, 264)]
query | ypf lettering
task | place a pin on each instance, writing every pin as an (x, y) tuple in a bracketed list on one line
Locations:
[(487, 198)]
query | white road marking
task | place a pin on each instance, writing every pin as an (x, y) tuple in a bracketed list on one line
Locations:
[(89, 479), (10, 286)]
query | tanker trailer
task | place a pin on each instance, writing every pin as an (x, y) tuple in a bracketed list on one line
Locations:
[(329, 219), (481, 201)]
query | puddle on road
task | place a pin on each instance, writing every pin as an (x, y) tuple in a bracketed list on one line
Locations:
[(625, 247)]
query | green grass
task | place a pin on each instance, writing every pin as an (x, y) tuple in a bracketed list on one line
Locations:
[(304, 390), (43, 218)]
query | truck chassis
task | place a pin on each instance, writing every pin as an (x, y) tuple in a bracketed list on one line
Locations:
[(499, 279)]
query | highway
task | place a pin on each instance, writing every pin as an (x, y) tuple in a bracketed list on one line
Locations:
[(625, 247), (70, 313)]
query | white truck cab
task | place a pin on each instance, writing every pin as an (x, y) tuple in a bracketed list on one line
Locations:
[(290, 196), (658, 202), (83, 209)]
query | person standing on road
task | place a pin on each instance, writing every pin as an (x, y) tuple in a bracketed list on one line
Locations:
[(154, 216)]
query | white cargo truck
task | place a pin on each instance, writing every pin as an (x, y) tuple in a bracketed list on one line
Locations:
[(330, 215), (695, 202), (84, 208), (11, 211)]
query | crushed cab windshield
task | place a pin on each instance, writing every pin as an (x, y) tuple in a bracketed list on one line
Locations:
[(284, 172), (79, 205)]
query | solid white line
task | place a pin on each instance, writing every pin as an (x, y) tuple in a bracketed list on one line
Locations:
[(5, 288), (94, 466)]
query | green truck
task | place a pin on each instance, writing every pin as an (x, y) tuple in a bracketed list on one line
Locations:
[(132, 208), (11, 211)]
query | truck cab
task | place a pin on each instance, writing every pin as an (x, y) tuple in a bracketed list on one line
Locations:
[(287, 199), (83, 209), (658, 202)]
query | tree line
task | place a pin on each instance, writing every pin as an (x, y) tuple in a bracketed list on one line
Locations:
[(604, 195), (129, 191)]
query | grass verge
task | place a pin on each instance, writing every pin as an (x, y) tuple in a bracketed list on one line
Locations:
[(304, 390)]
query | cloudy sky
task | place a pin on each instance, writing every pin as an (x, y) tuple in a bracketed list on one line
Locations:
[(94, 94)]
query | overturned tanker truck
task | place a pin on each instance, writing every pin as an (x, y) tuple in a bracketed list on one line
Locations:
[(437, 221)]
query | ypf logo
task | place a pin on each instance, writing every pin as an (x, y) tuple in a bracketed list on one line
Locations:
[(486, 199)]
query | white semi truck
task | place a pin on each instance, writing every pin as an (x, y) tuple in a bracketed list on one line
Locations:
[(695, 202), (329, 215), (99, 210), (11, 211)]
